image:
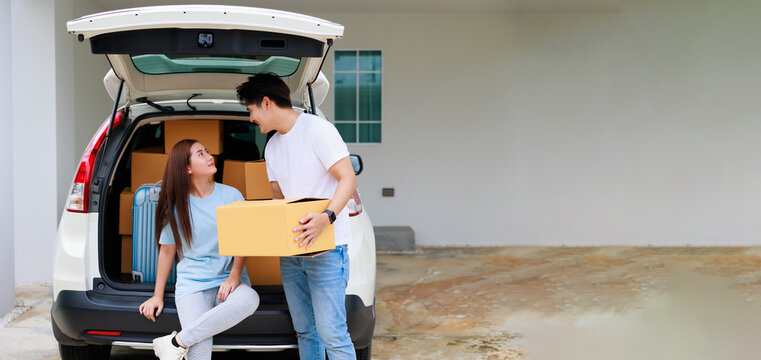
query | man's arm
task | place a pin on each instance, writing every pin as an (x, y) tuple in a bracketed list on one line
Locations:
[(313, 224), (347, 184), (276, 192)]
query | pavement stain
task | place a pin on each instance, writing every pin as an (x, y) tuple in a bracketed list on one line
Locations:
[(482, 291), (549, 281)]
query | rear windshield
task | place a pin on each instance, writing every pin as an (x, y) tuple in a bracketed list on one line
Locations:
[(159, 64)]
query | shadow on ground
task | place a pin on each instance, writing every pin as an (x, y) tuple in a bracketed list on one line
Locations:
[(129, 354)]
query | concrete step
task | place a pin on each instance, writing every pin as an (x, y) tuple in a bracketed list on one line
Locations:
[(394, 238)]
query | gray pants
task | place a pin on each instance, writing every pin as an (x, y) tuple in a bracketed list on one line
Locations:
[(202, 317)]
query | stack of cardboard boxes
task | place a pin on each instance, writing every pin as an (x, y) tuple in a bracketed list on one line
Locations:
[(249, 177)]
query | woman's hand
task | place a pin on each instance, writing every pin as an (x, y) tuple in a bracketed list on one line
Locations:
[(152, 306), (227, 287)]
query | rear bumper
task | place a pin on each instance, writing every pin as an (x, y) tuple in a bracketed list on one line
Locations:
[(75, 313)]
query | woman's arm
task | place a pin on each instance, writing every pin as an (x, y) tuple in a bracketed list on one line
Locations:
[(233, 280), (153, 306), (166, 257)]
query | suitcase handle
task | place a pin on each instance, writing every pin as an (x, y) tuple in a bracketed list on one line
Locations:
[(153, 195)]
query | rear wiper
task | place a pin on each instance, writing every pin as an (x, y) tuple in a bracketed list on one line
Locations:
[(188, 101), (157, 106)]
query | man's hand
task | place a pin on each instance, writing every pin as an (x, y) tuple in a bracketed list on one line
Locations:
[(227, 287), (152, 308), (311, 227)]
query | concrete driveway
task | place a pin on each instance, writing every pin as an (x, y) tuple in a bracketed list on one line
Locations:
[(528, 303)]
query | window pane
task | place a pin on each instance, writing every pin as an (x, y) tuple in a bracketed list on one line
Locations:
[(370, 60), (346, 61), (346, 96), (158, 64), (370, 133), (370, 96), (348, 132)]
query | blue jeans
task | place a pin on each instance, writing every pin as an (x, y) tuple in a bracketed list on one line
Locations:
[(316, 289)]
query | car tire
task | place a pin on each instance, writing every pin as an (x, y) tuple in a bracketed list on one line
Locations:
[(365, 352), (87, 352)]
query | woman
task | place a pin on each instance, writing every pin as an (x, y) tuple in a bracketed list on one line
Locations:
[(212, 293)]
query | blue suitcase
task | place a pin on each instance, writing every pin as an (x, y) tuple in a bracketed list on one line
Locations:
[(145, 253)]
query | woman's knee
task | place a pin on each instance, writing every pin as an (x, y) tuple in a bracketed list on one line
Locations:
[(253, 301), (249, 298)]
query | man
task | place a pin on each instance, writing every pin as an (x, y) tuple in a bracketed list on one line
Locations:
[(307, 158)]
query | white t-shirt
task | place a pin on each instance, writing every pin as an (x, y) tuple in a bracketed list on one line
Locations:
[(299, 161)]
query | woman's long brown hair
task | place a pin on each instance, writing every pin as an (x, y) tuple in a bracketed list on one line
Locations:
[(173, 198)]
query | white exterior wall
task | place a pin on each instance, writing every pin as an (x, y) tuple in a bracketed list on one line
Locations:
[(65, 130), (7, 292), (33, 79), (58, 102), (631, 127)]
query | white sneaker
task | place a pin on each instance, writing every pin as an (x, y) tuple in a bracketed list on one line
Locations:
[(164, 350)]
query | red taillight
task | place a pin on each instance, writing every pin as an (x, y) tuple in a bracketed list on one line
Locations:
[(355, 204), (80, 190), (106, 333)]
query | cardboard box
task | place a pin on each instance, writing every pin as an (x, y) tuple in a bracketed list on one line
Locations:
[(264, 270), (249, 177), (125, 211), (148, 166), (207, 132), (265, 228), (126, 255)]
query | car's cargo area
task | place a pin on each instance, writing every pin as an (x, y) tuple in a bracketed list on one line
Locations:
[(236, 145)]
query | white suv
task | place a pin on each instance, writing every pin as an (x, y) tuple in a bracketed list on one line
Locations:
[(183, 63)]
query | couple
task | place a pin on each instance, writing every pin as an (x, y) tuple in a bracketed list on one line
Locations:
[(306, 157)]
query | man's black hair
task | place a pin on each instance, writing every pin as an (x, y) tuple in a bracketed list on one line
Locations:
[(258, 86)]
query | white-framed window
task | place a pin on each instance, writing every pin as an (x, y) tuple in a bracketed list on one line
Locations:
[(358, 83)]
